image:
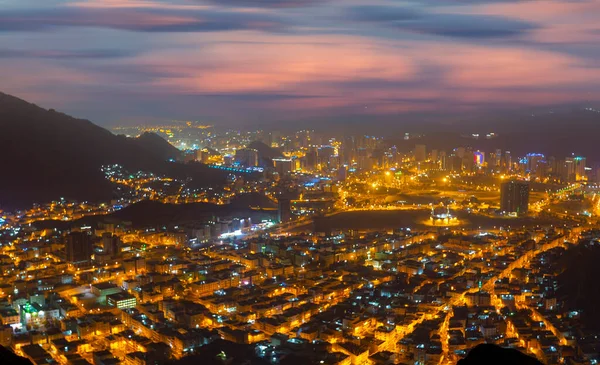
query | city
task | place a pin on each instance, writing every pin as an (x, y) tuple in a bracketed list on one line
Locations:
[(347, 246)]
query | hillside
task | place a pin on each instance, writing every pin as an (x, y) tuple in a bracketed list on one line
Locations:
[(152, 214), (578, 283), (48, 155), (266, 154)]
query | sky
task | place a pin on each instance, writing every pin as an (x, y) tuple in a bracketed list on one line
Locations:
[(248, 61)]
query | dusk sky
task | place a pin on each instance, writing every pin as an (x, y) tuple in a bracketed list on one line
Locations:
[(117, 61)]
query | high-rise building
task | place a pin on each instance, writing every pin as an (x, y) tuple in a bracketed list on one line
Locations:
[(348, 150), (507, 161), (284, 166), (491, 160), (111, 244), (434, 156), (536, 164), (247, 157), (573, 169), (228, 160), (284, 209), (420, 153), (342, 172), (202, 155), (454, 163), (78, 247), (443, 160), (311, 158), (479, 158), (324, 154), (514, 197), (579, 168), (468, 161)]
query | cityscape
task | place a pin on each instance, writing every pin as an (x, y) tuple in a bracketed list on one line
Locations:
[(299, 182), (345, 246)]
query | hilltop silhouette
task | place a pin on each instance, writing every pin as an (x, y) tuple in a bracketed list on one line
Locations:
[(266, 153), (48, 155), (487, 354)]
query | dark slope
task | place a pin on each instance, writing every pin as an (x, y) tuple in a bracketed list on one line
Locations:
[(266, 154), (47, 155), (9, 357), (221, 352), (156, 214), (488, 354), (265, 151), (152, 214), (155, 145), (578, 283)]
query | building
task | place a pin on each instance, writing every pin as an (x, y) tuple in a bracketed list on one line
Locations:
[(284, 209), (228, 160), (284, 166), (479, 158), (311, 158), (498, 157), (78, 248), (535, 164), (324, 155), (134, 265), (111, 244), (31, 314), (202, 155), (507, 161), (247, 157), (575, 168), (420, 153), (9, 315), (478, 299), (103, 290), (342, 173), (121, 300), (514, 197)]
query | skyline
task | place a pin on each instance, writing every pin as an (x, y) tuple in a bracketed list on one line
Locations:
[(262, 61)]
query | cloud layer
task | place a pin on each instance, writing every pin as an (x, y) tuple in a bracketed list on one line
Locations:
[(264, 60)]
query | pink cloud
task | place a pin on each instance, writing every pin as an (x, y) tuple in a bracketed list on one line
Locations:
[(128, 4), (245, 67), (516, 67)]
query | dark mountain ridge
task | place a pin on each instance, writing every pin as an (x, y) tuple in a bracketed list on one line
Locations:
[(48, 155)]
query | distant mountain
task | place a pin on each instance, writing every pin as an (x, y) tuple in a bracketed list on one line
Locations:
[(264, 150), (155, 145), (554, 132), (266, 154), (48, 155)]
